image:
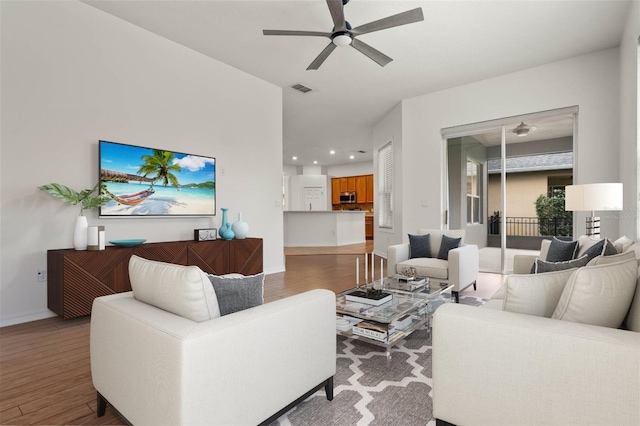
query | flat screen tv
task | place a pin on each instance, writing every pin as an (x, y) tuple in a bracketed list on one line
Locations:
[(155, 182)]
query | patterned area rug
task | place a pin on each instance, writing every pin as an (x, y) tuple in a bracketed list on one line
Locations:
[(371, 390)]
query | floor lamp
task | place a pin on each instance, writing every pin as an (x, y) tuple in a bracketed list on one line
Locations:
[(593, 197)]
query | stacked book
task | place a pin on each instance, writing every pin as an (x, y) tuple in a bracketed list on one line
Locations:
[(373, 330), (375, 297)]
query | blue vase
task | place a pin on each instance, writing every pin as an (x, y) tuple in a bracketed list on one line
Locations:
[(225, 223), (228, 234)]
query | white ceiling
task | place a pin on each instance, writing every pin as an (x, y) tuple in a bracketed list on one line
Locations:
[(458, 42)]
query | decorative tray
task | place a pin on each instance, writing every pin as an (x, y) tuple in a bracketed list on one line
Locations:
[(127, 243)]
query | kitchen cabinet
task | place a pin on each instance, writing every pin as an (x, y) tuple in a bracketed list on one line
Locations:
[(368, 227), (335, 191), (343, 185), (361, 189), (369, 188), (351, 183)]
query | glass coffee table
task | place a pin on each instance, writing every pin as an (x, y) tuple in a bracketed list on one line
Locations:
[(410, 307)]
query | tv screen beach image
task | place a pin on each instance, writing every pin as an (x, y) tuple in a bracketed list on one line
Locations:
[(151, 182)]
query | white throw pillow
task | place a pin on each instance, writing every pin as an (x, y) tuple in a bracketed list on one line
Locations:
[(535, 294), (181, 290), (622, 244), (599, 295), (602, 260), (585, 242)]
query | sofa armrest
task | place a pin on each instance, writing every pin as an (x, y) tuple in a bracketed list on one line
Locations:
[(158, 368), (522, 263), (396, 254), (519, 369), (463, 266)]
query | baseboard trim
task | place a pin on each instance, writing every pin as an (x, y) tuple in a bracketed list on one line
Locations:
[(21, 319)]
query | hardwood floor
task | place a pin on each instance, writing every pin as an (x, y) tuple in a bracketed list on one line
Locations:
[(45, 375)]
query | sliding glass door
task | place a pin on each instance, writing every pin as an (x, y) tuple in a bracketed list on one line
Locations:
[(505, 183)]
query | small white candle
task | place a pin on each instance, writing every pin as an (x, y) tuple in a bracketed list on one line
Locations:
[(373, 269), (357, 272), (366, 268)]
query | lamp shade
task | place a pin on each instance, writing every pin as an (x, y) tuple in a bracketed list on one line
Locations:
[(593, 197)]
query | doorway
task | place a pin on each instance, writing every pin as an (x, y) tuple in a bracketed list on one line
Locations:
[(505, 183), (312, 197)]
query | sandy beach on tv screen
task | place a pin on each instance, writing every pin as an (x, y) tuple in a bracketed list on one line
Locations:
[(175, 205)]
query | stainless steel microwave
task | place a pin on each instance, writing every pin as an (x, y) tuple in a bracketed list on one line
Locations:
[(348, 197)]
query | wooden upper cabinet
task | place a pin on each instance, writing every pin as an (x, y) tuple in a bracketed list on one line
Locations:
[(335, 190), (351, 183), (343, 185), (369, 190), (361, 189)]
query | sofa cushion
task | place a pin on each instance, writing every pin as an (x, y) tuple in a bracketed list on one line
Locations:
[(419, 246), (535, 294), (542, 266), (635, 249), (561, 251), (622, 244), (632, 321), (599, 295), (602, 260), (181, 290), (238, 293), (426, 267), (585, 242), (448, 243)]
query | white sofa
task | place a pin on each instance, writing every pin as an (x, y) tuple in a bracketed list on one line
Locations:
[(244, 368), (499, 367), (461, 269)]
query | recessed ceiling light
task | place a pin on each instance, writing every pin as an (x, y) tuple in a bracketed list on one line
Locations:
[(294, 158), (315, 162), (332, 152), (351, 157)]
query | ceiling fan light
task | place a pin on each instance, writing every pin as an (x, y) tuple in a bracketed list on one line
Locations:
[(342, 40), (522, 132)]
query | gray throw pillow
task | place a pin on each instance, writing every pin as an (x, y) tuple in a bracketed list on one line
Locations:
[(542, 266), (601, 248), (447, 244), (561, 251), (595, 250), (237, 294), (419, 246)]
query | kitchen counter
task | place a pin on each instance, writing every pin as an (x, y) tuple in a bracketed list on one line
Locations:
[(323, 228)]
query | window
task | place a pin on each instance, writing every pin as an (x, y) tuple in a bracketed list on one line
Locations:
[(473, 192), (385, 186)]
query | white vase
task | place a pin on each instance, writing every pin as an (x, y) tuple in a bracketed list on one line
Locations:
[(240, 228), (80, 233)]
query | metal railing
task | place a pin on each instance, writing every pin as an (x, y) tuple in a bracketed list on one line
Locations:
[(532, 226)]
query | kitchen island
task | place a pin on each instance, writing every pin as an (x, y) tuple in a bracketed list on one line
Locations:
[(323, 228)]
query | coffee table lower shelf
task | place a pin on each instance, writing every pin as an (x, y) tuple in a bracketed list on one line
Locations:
[(395, 337)]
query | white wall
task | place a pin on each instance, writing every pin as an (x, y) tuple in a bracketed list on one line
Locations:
[(351, 169), (589, 81), (72, 75), (390, 129), (629, 142)]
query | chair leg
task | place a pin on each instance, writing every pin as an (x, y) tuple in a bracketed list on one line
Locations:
[(474, 285), (328, 388), (102, 404), (456, 298)]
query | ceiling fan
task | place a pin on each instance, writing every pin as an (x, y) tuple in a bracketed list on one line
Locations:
[(343, 35), (522, 129)]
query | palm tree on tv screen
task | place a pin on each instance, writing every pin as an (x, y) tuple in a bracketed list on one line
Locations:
[(160, 164)]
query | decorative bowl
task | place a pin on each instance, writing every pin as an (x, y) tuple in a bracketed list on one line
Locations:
[(127, 243)]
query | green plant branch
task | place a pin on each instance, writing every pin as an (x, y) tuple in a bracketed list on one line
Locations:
[(85, 198)]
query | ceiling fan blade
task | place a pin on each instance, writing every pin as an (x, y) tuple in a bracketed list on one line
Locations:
[(296, 33), (336, 8), (408, 17), (321, 57), (374, 54)]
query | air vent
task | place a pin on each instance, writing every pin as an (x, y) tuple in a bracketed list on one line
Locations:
[(301, 88)]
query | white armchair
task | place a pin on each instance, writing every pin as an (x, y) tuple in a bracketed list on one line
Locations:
[(461, 269), (244, 368)]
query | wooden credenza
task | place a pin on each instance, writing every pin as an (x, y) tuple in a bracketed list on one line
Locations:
[(78, 277)]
